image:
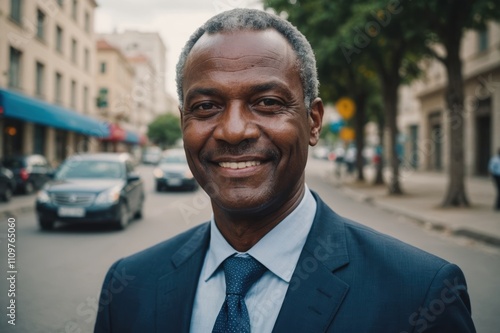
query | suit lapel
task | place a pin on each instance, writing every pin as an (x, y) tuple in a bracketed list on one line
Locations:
[(315, 294), (177, 289)]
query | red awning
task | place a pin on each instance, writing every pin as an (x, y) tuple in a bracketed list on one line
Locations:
[(116, 133)]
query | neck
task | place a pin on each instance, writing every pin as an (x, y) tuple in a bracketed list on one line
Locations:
[(243, 230)]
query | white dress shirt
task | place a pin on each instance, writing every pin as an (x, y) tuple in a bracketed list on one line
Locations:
[(278, 250)]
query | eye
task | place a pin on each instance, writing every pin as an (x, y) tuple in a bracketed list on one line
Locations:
[(204, 106), (269, 105)]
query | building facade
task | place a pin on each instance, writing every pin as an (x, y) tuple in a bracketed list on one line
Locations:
[(48, 54), (137, 44), (424, 120), (114, 82)]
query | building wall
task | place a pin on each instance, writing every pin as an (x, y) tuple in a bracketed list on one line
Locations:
[(118, 78), (77, 67), (134, 43)]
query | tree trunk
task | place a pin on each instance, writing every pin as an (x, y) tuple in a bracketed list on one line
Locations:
[(360, 135), (456, 195), (390, 92), (379, 176)]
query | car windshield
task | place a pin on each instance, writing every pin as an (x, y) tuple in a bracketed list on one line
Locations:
[(13, 162), (173, 159), (90, 169)]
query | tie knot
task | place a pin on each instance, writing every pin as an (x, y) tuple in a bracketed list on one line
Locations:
[(241, 273)]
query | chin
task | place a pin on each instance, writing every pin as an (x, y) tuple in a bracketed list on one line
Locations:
[(244, 200)]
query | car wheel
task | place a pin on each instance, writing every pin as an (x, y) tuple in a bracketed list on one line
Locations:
[(46, 224), (124, 217), (7, 195), (29, 188)]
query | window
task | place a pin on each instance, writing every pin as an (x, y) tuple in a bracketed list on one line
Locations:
[(73, 50), (102, 67), (102, 99), (59, 39), (40, 24), (58, 88), (72, 101), (15, 68), (15, 10), (483, 40), (85, 99), (87, 22), (86, 59), (74, 10), (39, 80)]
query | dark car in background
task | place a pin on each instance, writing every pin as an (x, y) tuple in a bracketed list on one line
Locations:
[(92, 188), (7, 184), (31, 172), (173, 172)]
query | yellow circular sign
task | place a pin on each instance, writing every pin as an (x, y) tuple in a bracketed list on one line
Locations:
[(347, 133), (346, 107)]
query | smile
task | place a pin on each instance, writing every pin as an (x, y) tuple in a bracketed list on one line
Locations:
[(239, 165)]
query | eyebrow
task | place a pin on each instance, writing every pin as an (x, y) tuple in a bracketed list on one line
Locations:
[(258, 88)]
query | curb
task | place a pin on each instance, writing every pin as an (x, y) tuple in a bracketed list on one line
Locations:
[(419, 219)]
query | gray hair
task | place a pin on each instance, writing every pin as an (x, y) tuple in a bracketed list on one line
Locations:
[(253, 19)]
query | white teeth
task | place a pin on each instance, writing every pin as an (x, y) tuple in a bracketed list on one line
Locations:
[(238, 165)]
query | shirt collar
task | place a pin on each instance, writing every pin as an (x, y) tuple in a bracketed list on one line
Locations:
[(284, 242)]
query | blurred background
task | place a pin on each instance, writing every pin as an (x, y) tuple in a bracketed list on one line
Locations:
[(412, 95)]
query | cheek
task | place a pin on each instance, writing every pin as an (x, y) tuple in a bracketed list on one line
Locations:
[(289, 135)]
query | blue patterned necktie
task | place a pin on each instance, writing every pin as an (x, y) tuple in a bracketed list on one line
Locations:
[(241, 273)]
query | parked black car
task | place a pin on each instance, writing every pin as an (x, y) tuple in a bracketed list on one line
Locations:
[(92, 188), (7, 184), (31, 172), (173, 172)]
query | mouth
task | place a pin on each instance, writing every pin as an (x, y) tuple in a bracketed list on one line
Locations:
[(239, 165)]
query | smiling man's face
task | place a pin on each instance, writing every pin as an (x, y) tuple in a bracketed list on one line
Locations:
[(245, 127)]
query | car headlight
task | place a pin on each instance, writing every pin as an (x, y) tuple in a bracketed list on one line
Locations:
[(158, 173), (43, 197), (109, 196), (188, 174)]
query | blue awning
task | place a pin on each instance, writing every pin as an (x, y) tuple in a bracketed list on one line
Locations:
[(20, 106)]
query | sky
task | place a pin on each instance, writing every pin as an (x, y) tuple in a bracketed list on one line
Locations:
[(174, 20)]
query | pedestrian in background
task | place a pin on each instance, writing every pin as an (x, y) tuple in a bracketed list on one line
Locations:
[(494, 167)]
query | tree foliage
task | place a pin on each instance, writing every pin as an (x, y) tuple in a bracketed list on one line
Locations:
[(358, 40), (165, 130)]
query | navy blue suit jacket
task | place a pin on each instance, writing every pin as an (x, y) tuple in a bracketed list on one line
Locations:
[(349, 278)]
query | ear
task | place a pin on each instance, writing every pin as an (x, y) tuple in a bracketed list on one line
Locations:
[(181, 115), (315, 120)]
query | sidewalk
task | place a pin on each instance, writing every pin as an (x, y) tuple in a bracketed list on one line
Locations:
[(18, 204), (424, 192)]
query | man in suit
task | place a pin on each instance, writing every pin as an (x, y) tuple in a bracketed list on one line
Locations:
[(274, 257)]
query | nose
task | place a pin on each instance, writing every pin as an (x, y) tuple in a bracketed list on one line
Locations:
[(236, 124)]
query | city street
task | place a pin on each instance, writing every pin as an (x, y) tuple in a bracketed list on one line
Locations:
[(60, 272)]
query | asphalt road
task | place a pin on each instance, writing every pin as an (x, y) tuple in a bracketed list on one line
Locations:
[(60, 272)]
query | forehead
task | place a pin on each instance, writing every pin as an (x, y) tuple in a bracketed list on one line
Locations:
[(240, 52)]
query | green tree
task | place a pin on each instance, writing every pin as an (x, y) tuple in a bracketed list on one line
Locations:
[(165, 130), (446, 22), (316, 20), (383, 37)]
